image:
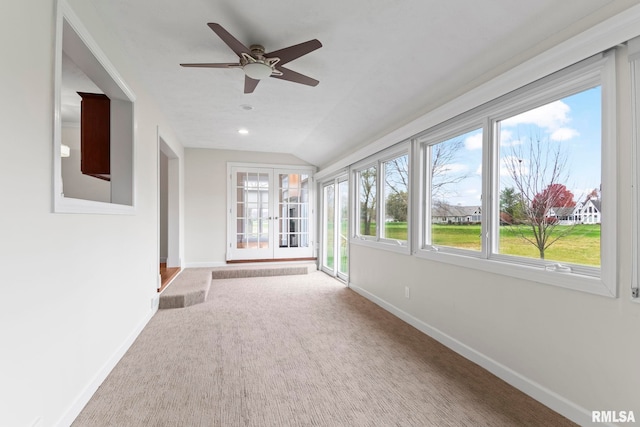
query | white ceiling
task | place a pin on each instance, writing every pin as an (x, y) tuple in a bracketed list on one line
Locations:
[(383, 62)]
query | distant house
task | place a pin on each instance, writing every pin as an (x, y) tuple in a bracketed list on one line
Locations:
[(449, 214), (564, 215), (588, 212)]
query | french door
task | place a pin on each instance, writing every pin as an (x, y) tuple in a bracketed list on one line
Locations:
[(269, 213), (335, 227)]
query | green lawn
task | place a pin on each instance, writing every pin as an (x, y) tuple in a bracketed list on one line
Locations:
[(581, 246)]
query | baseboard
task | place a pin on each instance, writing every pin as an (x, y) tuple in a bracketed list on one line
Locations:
[(206, 264), (540, 393), (72, 413)]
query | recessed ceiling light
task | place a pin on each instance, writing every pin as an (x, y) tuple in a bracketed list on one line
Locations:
[(243, 131)]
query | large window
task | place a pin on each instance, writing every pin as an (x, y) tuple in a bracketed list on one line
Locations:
[(525, 185), (454, 184), (382, 194), (550, 180)]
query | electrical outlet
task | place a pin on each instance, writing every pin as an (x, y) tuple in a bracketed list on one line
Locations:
[(155, 302), (406, 292)]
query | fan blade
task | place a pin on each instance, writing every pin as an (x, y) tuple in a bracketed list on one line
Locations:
[(292, 76), (231, 41), (250, 84), (206, 65), (293, 52)]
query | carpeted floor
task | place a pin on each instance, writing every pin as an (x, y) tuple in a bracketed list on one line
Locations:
[(299, 351)]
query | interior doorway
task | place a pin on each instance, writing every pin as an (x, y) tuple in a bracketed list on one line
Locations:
[(270, 213), (168, 214)]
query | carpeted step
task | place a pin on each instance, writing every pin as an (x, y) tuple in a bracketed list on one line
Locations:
[(190, 287), (236, 273)]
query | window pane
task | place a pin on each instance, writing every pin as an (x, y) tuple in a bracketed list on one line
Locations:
[(293, 210), (329, 230), (396, 179), (550, 172), (456, 191), (367, 178), (343, 223)]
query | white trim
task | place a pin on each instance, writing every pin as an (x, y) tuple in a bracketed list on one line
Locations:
[(634, 64), (116, 89), (271, 166), (273, 251), (537, 391), (402, 148), (83, 398)]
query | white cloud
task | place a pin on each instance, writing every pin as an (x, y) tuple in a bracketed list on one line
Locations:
[(549, 116), (473, 142), (552, 118), (507, 139), (564, 134)]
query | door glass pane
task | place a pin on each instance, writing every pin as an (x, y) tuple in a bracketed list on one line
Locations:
[(329, 228), (252, 210), (343, 226), (293, 210)]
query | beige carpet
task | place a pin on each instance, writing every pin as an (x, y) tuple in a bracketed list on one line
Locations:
[(299, 351)]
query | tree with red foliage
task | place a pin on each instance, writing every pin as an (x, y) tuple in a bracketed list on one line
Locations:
[(554, 196)]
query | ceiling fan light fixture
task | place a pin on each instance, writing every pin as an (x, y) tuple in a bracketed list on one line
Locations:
[(257, 70)]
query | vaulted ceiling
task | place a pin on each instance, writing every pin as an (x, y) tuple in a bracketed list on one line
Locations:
[(383, 62)]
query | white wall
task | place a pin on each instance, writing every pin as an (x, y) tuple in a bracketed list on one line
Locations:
[(164, 206), (206, 200), (574, 351), (75, 288), (74, 183)]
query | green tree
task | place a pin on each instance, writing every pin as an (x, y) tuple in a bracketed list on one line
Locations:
[(397, 206), (512, 208), (368, 178)]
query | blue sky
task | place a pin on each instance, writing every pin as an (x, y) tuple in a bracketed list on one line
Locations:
[(573, 122)]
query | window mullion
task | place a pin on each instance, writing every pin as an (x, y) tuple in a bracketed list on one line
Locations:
[(489, 203)]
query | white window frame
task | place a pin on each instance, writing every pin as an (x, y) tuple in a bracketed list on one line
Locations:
[(378, 160), (122, 110), (633, 46), (468, 123), (597, 70)]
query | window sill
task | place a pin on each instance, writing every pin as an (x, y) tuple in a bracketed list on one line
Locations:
[(387, 245), (573, 281), (70, 205)]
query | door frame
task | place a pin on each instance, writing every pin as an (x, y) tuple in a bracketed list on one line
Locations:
[(275, 253), (172, 210), (335, 180)]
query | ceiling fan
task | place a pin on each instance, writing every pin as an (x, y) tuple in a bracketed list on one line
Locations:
[(258, 65)]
